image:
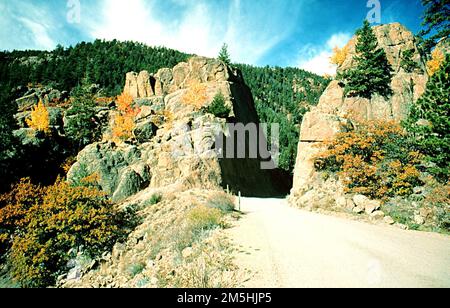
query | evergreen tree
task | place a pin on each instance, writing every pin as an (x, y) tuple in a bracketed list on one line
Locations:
[(82, 126), (407, 62), (8, 108), (436, 20), (224, 55), (373, 73), (218, 107), (430, 122)]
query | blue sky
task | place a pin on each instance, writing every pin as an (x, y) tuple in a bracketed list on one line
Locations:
[(298, 33)]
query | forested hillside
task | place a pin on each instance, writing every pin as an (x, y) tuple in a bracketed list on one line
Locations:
[(282, 95), (102, 62)]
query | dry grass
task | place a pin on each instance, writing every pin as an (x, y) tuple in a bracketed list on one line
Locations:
[(179, 244), (222, 201), (196, 96)]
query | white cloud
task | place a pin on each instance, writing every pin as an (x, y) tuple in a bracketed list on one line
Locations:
[(338, 40), (319, 64), (317, 59), (40, 34), (200, 27), (25, 26)]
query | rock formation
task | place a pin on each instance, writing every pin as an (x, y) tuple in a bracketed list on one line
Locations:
[(175, 141), (324, 121), (183, 75), (139, 85), (47, 95)]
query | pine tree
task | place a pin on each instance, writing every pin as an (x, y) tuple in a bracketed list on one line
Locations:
[(81, 125), (373, 73), (436, 20), (430, 122), (224, 55), (218, 106), (407, 62), (7, 122)]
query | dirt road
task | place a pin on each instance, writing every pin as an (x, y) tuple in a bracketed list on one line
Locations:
[(287, 247)]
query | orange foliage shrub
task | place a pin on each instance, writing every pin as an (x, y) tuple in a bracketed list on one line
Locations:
[(14, 206), (125, 103), (40, 119), (437, 59), (374, 160), (124, 122), (45, 223), (196, 96)]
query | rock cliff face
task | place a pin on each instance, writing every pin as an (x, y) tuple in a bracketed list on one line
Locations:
[(324, 121), (394, 38), (138, 85), (167, 81), (175, 141)]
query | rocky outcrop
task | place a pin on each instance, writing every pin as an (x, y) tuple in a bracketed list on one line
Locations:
[(118, 170), (45, 94), (334, 112), (182, 76), (394, 38), (175, 141), (139, 85)]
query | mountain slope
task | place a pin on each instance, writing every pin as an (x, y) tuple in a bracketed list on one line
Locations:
[(282, 95)]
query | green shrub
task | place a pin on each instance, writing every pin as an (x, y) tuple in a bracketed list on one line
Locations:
[(200, 220), (136, 269), (432, 204), (222, 202), (400, 213), (155, 199), (218, 107), (204, 218), (143, 282)]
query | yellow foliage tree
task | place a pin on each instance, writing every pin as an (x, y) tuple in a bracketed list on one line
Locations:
[(196, 95), (437, 59), (339, 55), (40, 119), (124, 122), (123, 126)]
